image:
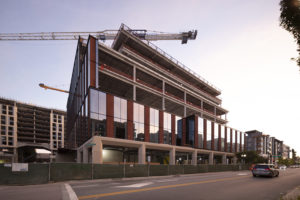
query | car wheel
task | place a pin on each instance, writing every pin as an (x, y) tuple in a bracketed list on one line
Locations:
[(277, 174), (254, 175)]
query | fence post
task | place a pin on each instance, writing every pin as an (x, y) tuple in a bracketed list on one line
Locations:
[(124, 168), (92, 171), (49, 172)]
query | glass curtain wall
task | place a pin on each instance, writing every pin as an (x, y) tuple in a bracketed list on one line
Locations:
[(190, 127), (154, 125), (200, 133), (178, 130), (243, 142), (98, 112), (228, 139), (138, 122), (222, 138), (216, 136), (167, 129), (208, 134), (238, 140), (233, 140), (120, 118)]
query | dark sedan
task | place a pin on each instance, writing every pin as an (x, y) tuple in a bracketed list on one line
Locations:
[(265, 170)]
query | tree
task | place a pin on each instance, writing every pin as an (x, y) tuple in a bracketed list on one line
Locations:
[(294, 154), (251, 157), (290, 20)]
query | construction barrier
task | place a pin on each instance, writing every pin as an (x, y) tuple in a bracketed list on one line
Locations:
[(55, 172)]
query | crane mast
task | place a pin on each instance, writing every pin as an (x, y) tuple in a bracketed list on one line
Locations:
[(101, 35)]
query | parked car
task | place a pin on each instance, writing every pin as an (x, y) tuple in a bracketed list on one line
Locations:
[(265, 170), (282, 167)]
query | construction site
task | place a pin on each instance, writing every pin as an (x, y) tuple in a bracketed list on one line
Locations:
[(133, 97)]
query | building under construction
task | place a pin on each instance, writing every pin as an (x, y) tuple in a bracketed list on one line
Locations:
[(133, 101), (25, 127)]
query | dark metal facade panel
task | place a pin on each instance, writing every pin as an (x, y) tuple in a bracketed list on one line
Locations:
[(109, 115), (147, 123), (129, 120)]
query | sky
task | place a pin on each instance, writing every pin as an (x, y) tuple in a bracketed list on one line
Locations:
[(240, 48)]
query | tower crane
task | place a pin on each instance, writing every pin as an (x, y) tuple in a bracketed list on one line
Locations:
[(101, 35)]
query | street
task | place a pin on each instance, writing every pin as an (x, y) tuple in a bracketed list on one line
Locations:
[(221, 185)]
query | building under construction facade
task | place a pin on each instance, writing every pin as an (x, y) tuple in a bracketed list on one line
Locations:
[(25, 127), (132, 102)]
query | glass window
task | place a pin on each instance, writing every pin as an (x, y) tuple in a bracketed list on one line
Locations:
[(3, 138), (223, 137), (10, 130), (243, 141), (178, 131), (200, 132), (94, 106), (190, 123), (11, 121), (102, 103), (10, 110), (138, 122), (3, 120), (4, 109), (10, 141), (233, 140), (120, 109), (208, 134), (238, 141), (167, 129), (120, 118), (216, 136), (154, 124), (3, 130), (177, 118), (228, 139)]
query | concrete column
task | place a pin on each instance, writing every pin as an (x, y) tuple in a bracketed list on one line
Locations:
[(79, 159), (134, 93), (163, 97), (211, 158), (224, 159), (134, 80), (134, 73), (142, 154), (172, 155), (184, 104), (194, 158), (234, 160), (85, 155), (97, 151)]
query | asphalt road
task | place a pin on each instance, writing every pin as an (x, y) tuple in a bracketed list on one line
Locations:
[(221, 185)]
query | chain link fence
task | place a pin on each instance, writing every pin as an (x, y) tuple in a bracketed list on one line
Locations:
[(55, 172)]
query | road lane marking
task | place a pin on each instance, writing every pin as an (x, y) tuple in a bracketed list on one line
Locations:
[(242, 174), (82, 186), (157, 188), (167, 180), (137, 185), (71, 193)]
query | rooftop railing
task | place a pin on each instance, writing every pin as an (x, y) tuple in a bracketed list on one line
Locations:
[(176, 62)]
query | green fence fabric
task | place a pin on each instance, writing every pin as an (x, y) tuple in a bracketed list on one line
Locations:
[(36, 174), (108, 171), (70, 171), (176, 169), (136, 170), (40, 173), (158, 170)]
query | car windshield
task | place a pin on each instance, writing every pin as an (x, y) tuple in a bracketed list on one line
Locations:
[(262, 166)]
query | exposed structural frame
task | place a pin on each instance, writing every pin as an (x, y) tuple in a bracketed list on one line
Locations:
[(101, 35)]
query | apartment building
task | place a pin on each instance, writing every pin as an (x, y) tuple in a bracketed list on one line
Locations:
[(25, 127)]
